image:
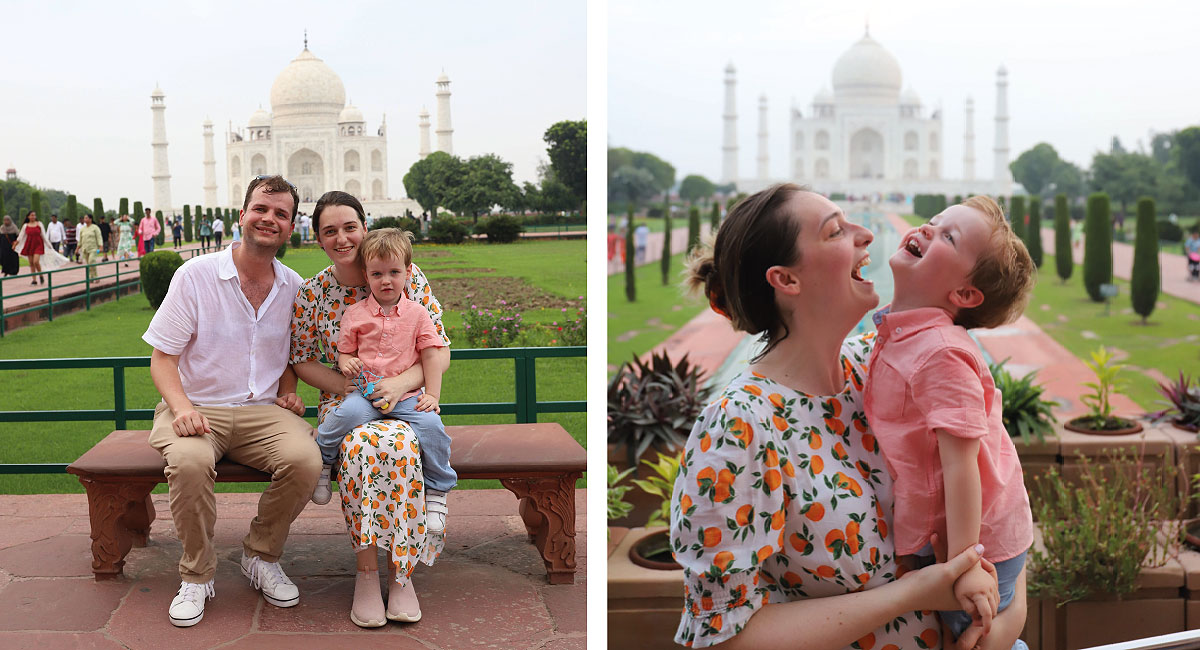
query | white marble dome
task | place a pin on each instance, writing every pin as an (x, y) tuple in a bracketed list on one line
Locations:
[(910, 97), (259, 118), (307, 92), (867, 71), (350, 114)]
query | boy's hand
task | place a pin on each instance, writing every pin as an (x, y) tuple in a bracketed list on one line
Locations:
[(978, 595), (427, 402), (291, 402), (350, 365)]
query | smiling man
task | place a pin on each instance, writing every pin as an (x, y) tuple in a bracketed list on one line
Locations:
[(220, 357)]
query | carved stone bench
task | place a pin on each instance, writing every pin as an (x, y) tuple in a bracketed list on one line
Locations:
[(538, 462)]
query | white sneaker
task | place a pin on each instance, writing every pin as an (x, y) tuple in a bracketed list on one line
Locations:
[(322, 494), (435, 511), (187, 608), (269, 578)]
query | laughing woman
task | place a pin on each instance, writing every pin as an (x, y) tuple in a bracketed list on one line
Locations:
[(379, 476), (781, 511)]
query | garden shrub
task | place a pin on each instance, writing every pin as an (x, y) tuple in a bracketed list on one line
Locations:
[(161, 237), (413, 226), (1168, 231), (572, 329), (1017, 217), (1144, 280), (664, 262), (1033, 233), (295, 240), (280, 252), (714, 218), (1097, 245), (654, 403), (187, 223), (156, 271), (492, 328), (500, 229), (447, 230), (693, 228), (630, 278), (1063, 262), (385, 222)]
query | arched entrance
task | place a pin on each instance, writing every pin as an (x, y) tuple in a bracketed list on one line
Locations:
[(306, 170), (866, 154)]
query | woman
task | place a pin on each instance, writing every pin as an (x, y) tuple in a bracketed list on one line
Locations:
[(33, 244), (205, 234), (379, 476), (780, 512), (235, 231), (125, 238), (10, 262)]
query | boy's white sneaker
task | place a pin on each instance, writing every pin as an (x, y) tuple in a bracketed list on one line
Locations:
[(322, 493), (435, 511), (269, 578), (187, 608)]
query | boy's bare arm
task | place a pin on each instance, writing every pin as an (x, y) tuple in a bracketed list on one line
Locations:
[(976, 589), (434, 362)]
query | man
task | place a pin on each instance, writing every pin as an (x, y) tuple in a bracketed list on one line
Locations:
[(90, 243), (69, 240), (105, 236), (305, 227), (55, 233), (641, 238), (220, 361), (149, 229), (218, 229)]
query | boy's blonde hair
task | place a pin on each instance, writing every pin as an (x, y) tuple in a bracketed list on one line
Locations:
[(1004, 272), (385, 243)]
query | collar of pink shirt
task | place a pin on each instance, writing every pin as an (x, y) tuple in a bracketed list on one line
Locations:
[(375, 309), (903, 324)]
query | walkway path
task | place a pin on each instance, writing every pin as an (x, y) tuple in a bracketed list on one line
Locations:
[(487, 590), (1172, 264), (654, 246)]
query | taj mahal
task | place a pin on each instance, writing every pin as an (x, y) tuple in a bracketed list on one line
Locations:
[(866, 136), (312, 136)]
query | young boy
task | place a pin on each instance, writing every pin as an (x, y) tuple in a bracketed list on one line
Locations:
[(934, 409), (387, 334)]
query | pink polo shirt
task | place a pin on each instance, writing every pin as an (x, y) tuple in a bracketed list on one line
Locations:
[(927, 373), (388, 342)]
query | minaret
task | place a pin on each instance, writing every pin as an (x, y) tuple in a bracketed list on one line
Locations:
[(1001, 172), (210, 166), (444, 131), (762, 138), (423, 122), (969, 143), (158, 142), (729, 148)]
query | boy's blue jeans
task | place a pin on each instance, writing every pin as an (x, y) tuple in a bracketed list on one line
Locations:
[(356, 410), (1006, 574)]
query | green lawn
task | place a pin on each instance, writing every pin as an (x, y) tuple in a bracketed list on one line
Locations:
[(1168, 344), (634, 328), (114, 329), (912, 219)]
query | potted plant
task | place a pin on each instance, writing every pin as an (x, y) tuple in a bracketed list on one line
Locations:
[(1100, 420), (1183, 402), (654, 550), (618, 507), (1026, 414)]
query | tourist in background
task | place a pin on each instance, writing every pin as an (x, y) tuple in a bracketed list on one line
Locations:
[(91, 241), (55, 233), (205, 234), (235, 232), (641, 239), (69, 240), (126, 237), (105, 236), (379, 476), (177, 232), (305, 225), (10, 262), (148, 229), (32, 243), (218, 230)]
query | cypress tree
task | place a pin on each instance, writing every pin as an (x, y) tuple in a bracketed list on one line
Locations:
[(124, 208), (630, 282), (714, 219), (1097, 245), (72, 208), (187, 224), (162, 229), (97, 210), (1017, 217), (2, 212), (958, 199), (940, 206), (1146, 276), (35, 204), (137, 212), (665, 261), (693, 228), (1033, 234), (1062, 238)]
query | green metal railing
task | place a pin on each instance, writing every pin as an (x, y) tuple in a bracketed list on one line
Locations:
[(92, 287), (525, 405)]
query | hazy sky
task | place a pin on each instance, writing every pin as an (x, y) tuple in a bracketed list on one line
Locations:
[(1079, 72), (77, 78)]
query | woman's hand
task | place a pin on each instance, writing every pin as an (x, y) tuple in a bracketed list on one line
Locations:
[(933, 586), (390, 390)]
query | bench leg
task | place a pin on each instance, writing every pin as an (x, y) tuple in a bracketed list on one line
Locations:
[(548, 509), (139, 514), (112, 507)]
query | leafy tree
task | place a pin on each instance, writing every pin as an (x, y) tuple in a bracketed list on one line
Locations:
[(486, 181), (665, 261), (556, 197), (1097, 247), (431, 182), (1187, 147), (567, 149), (1145, 278), (1124, 176), (1162, 146), (714, 219), (1063, 262), (2, 212), (1034, 169), (1017, 216), (35, 204), (695, 187), (662, 171), (1033, 233), (630, 280), (631, 184)]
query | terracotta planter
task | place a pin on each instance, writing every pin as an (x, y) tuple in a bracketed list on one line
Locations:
[(1190, 428), (654, 552), (1079, 425), (1155, 449), (644, 605), (1187, 456), (615, 535)]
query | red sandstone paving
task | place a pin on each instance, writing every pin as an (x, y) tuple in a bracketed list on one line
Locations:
[(362, 640), (59, 556), (43, 640), (75, 604)]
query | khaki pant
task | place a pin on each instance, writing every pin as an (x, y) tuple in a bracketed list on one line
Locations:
[(89, 257), (267, 438)]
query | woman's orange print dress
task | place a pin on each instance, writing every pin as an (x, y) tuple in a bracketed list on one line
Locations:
[(783, 496)]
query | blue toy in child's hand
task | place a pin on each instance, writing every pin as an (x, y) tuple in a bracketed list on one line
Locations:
[(365, 382)]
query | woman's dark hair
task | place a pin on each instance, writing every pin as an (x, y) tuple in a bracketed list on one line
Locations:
[(757, 234), (27, 215), (333, 198)]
